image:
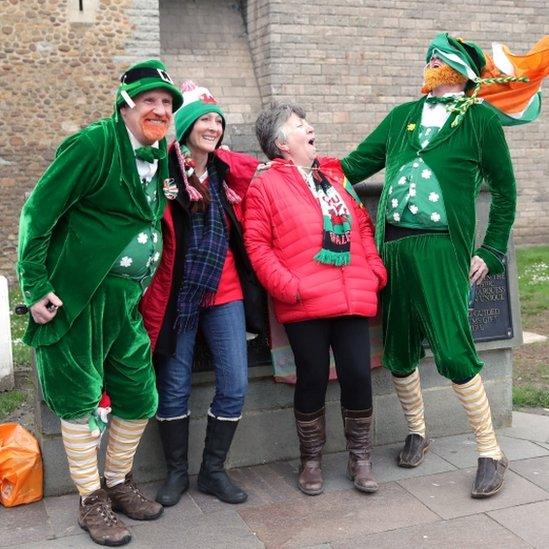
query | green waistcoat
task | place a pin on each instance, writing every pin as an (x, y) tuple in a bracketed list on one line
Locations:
[(461, 157), (83, 211)]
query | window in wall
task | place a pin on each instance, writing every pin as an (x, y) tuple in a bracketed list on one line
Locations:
[(82, 11)]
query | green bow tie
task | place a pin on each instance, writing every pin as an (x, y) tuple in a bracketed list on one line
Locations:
[(149, 154), (442, 100)]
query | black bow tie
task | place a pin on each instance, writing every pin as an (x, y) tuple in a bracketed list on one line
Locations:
[(149, 154)]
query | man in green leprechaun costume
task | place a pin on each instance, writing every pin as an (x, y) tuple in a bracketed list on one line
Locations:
[(436, 152), (89, 243)]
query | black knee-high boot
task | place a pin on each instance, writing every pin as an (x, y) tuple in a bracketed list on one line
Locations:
[(174, 435), (212, 478)]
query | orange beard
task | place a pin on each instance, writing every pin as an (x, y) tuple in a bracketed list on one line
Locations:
[(442, 76), (154, 132)]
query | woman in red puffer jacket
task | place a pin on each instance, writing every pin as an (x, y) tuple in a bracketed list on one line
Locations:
[(310, 241)]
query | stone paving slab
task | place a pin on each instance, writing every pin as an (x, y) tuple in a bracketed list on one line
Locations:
[(527, 521), (536, 470), (82, 541), (460, 450), (224, 529), (529, 427), (460, 533), (335, 516), (449, 494), (217, 530), (24, 524), (264, 485), (334, 467)]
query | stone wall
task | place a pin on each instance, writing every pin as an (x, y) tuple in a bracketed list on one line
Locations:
[(59, 67), (346, 61)]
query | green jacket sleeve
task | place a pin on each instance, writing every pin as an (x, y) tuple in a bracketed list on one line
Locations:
[(497, 171), (67, 179), (369, 157)]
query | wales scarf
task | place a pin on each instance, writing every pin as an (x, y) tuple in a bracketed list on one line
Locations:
[(208, 244), (337, 220)]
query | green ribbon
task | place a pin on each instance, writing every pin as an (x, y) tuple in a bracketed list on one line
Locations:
[(442, 100)]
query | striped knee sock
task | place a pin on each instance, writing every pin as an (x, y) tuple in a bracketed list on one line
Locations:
[(81, 448), (408, 390), (473, 397), (124, 436)]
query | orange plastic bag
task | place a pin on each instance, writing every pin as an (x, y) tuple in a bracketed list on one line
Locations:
[(21, 471)]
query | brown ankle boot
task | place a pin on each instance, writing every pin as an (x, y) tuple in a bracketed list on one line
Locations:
[(128, 499), (96, 517), (311, 431), (357, 426)]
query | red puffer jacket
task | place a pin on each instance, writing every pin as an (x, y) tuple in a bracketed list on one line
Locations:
[(282, 234)]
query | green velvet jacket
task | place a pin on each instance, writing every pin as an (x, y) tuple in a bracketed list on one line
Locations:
[(83, 211), (461, 157)]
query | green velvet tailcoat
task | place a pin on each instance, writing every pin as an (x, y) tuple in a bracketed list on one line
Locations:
[(86, 207), (461, 158)]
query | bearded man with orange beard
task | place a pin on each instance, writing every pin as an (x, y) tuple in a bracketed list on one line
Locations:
[(89, 243), (436, 152)]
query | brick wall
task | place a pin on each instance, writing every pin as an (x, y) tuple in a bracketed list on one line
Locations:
[(349, 62), (206, 42)]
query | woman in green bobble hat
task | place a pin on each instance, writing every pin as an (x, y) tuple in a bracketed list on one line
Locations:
[(204, 281)]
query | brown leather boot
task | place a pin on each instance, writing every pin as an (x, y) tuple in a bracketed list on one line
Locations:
[(311, 431), (128, 499), (489, 477), (357, 426), (96, 517)]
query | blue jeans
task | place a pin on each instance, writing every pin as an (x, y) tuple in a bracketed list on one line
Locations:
[(224, 329)]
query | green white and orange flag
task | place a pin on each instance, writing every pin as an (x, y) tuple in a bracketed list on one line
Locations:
[(516, 102)]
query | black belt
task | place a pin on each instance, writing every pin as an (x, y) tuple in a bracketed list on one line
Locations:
[(394, 232)]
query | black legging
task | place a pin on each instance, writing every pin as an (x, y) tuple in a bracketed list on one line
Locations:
[(349, 338)]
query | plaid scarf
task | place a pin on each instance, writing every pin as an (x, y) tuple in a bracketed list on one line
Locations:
[(337, 220), (204, 261)]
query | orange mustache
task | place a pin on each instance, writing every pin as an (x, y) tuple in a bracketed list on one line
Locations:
[(154, 131), (444, 75)]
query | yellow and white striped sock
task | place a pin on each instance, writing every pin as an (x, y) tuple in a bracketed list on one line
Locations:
[(408, 390), (473, 397), (81, 449), (124, 437)]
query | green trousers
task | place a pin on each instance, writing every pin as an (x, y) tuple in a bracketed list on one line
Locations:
[(426, 297), (106, 348)]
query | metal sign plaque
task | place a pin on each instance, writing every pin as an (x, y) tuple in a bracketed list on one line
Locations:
[(490, 315)]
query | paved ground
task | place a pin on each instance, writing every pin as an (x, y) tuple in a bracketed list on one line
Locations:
[(425, 507)]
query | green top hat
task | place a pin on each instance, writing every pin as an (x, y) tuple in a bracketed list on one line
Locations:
[(465, 57), (146, 76)]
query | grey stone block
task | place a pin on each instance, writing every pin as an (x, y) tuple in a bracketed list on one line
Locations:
[(536, 470), (461, 533), (449, 494), (223, 529), (24, 524), (527, 521), (533, 427)]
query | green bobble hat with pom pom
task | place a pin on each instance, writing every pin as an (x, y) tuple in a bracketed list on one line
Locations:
[(197, 101)]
